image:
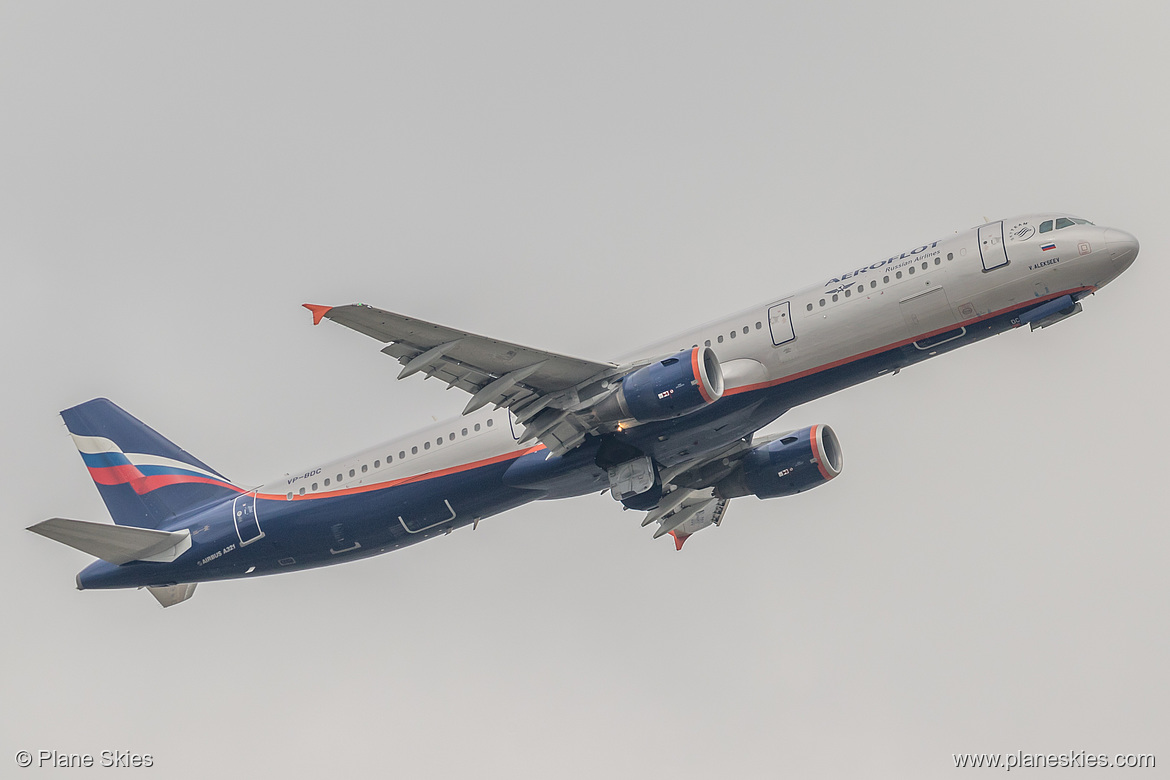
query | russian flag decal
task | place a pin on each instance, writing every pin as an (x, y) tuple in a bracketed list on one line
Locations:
[(1046, 247)]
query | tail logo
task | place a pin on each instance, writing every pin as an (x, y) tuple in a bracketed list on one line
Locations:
[(108, 465)]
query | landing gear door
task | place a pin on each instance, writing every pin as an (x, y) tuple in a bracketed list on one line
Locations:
[(991, 248), (780, 323)]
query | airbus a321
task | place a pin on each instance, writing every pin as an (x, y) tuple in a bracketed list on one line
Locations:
[(670, 431)]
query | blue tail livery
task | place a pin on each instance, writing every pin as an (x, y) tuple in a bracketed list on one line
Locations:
[(144, 479), (671, 430)]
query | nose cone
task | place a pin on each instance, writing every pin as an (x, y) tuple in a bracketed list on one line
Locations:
[(1123, 247)]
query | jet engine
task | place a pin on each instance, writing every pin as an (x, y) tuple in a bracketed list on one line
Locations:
[(791, 464), (666, 389)]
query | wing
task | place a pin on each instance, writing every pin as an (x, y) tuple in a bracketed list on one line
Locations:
[(543, 389)]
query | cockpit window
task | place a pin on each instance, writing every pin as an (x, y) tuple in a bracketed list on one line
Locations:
[(1045, 227), (1081, 221), (1064, 222)]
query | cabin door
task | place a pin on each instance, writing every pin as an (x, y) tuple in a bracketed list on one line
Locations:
[(244, 514), (991, 248)]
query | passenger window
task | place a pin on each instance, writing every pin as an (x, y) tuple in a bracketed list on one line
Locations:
[(426, 445), (759, 325), (860, 288), (910, 269), (745, 330), (414, 450), (733, 334), (402, 454), (314, 486), (326, 481), (899, 275), (439, 440), (302, 491), (290, 496), (938, 261), (848, 292), (451, 437), (477, 426), (1063, 223), (836, 297), (810, 307), (707, 343), (1046, 226), (925, 266), (489, 423), (822, 301), (338, 477), (873, 284), (377, 464), (885, 280), (365, 468), (464, 433), (950, 255), (720, 339)]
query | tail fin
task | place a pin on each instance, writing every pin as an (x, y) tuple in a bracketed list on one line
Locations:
[(145, 479)]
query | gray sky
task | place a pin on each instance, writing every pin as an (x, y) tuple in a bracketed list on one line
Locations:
[(989, 573)]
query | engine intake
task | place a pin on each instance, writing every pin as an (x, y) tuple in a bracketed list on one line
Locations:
[(799, 461), (669, 388)]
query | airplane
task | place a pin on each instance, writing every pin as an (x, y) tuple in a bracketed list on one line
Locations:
[(670, 431)]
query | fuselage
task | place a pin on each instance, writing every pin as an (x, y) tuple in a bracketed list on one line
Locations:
[(863, 320)]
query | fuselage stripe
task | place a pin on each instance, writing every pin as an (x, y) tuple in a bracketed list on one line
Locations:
[(406, 480), (895, 345)]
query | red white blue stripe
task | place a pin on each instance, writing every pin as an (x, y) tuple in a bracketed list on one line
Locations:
[(108, 465)]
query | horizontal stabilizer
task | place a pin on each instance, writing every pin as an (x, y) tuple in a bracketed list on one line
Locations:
[(170, 595), (117, 544)]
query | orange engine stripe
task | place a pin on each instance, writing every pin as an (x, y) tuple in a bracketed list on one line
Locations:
[(812, 438), (698, 376)]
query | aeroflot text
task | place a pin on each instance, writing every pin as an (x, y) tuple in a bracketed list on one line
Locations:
[(917, 251)]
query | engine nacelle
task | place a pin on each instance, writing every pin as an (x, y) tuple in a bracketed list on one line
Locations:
[(797, 462), (669, 388)]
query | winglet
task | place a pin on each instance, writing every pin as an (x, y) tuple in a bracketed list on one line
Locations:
[(679, 539), (318, 311)]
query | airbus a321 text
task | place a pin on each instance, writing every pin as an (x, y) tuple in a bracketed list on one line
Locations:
[(670, 431)]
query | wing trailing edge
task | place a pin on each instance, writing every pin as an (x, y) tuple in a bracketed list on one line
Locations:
[(550, 394)]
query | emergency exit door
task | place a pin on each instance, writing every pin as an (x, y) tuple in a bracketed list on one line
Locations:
[(780, 323)]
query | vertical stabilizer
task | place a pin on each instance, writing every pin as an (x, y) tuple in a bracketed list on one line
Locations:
[(145, 479)]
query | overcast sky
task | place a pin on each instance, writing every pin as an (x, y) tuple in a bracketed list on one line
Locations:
[(988, 574)]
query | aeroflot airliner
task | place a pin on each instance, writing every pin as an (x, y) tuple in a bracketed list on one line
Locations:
[(669, 431)]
